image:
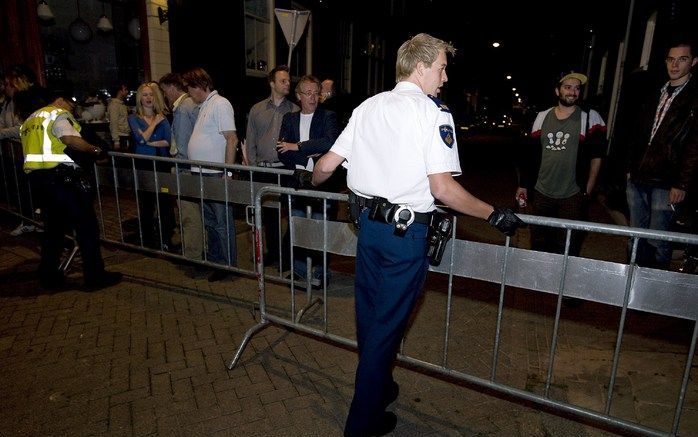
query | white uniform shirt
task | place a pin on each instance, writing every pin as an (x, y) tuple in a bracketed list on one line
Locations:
[(207, 142), (393, 141)]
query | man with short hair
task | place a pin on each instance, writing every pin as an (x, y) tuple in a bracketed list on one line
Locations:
[(52, 144), (401, 152), (184, 114), (263, 126), (663, 153), (307, 135), (213, 139), (118, 118), (558, 170), (265, 118)]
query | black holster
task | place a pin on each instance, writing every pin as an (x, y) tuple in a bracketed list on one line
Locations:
[(438, 236), (355, 208), (74, 178)]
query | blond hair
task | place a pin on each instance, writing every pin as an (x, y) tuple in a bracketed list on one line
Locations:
[(158, 102), (421, 48)]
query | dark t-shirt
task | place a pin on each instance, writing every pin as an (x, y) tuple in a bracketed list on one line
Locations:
[(559, 141)]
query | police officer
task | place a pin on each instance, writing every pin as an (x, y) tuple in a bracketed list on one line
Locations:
[(401, 153), (64, 193)]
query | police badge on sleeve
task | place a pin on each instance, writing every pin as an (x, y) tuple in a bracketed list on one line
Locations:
[(446, 132)]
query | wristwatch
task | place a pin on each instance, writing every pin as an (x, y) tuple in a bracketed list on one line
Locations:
[(299, 143)]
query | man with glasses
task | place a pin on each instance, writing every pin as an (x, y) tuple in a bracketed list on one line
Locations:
[(303, 138), (663, 154)]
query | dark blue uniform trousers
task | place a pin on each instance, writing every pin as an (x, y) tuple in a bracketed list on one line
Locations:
[(66, 209), (390, 273)]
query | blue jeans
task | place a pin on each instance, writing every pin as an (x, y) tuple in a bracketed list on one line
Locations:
[(219, 222), (649, 209)]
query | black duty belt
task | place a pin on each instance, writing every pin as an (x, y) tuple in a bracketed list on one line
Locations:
[(382, 210)]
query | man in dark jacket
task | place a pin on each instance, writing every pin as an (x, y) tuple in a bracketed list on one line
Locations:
[(663, 154), (560, 168), (303, 138)]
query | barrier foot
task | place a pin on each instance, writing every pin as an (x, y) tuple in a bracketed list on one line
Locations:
[(66, 263), (300, 314), (246, 339)]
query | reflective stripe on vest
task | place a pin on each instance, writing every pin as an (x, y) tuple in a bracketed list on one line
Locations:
[(47, 156)]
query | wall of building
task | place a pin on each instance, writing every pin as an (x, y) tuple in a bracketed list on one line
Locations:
[(158, 40)]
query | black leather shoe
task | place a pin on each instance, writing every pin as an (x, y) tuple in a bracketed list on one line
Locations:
[(55, 281), (104, 280), (392, 394), (385, 424)]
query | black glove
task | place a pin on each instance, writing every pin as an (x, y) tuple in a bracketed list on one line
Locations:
[(303, 179), (505, 221), (102, 155)]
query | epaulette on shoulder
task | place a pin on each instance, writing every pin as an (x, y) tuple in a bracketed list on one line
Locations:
[(442, 106)]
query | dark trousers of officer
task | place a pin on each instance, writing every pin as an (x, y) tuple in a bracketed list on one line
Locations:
[(66, 208), (390, 273)]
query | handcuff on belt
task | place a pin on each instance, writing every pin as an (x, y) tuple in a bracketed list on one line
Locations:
[(402, 216)]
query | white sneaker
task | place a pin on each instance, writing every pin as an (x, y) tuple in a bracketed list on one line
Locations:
[(22, 229)]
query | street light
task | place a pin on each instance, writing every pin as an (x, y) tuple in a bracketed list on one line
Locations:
[(508, 77), (495, 44)]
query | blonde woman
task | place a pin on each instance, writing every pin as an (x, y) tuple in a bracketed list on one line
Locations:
[(151, 135), (149, 127)]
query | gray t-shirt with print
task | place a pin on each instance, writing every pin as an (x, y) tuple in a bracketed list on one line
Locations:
[(559, 141)]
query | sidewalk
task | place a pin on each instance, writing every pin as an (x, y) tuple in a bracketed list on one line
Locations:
[(148, 357)]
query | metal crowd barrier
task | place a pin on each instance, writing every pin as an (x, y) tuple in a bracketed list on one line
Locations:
[(16, 192), (127, 175), (624, 286)]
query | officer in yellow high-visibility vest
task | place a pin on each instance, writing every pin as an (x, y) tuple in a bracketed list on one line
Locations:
[(63, 193)]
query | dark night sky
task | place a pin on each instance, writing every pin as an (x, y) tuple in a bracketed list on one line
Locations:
[(539, 39)]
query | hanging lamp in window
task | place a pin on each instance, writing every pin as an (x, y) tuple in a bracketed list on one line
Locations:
[(79, 30), (103, 24)]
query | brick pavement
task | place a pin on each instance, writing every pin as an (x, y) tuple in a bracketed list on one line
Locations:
[(147, 357)]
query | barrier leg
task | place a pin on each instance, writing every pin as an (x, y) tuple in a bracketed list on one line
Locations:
[(246, 339), (311, 302), (66, 262)]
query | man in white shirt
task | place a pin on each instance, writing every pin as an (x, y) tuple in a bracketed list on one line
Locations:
[(401, 153), (214, 139)]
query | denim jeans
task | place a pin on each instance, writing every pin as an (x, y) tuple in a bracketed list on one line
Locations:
[(220, 233), (219, 222), (649, 209)]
